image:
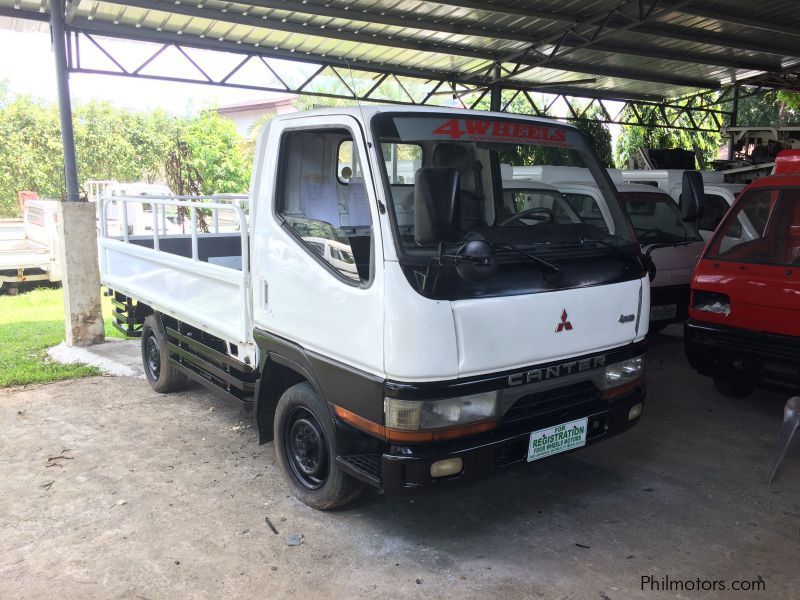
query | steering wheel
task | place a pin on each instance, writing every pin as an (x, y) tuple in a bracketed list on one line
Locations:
[(540, 213)]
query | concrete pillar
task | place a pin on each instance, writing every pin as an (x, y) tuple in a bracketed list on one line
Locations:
[(77, 232)]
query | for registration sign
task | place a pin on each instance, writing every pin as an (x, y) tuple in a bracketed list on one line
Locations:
[(558, 438)]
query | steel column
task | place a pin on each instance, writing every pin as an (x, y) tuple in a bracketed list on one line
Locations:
[(732, 120), (496, 94), (58, 34)]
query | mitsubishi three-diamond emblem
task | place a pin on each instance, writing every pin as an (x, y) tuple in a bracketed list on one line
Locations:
[(565, 324)]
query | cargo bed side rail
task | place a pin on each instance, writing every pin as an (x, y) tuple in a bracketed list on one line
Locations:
[(208, 294)]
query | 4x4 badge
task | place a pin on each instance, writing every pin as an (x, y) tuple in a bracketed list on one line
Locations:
[(626, 318), (565, 324)]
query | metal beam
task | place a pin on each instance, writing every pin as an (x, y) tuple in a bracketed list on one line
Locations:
[(394, 42), (730, 16), (275, 24), (701, 58), (592, 30), (423, 91), (29, 15), (732, 120), (58, 31), (394, 18), (624, 73), (121, 31), (713, 38), (517, 11)]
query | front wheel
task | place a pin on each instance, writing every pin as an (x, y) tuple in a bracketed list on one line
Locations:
[(304, 445), (162, 376), (732, 390)]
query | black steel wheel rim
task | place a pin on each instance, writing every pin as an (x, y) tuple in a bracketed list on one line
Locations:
[(306, 448), (152, 355)]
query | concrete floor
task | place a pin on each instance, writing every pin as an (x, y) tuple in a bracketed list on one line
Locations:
[(166, 497)]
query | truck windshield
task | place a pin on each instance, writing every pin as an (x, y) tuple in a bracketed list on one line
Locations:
[(771, 234), (657, 219), (476, 147)]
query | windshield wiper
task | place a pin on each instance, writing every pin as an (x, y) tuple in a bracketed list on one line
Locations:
[(539, 261), (685, 242), (606, 244)]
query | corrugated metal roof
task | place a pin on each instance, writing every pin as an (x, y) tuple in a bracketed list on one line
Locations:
[(607, 48)]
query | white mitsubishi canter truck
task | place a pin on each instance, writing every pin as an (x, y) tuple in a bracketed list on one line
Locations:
[(399, 333)]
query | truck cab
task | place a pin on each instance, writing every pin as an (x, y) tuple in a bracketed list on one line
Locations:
[(718, 195), (394, 328), (744, 326), (663, 232)]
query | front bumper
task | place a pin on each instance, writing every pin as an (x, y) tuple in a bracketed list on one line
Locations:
[(405, 469), (751, 358)]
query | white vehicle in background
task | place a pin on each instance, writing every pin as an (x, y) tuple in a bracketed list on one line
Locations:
[(663, 232), (718, 195), (32, 254), (138, 217)]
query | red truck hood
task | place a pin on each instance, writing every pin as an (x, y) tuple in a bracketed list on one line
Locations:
[(762, 297)]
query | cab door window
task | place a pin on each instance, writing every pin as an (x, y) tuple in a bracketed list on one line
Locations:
[(323, 202)]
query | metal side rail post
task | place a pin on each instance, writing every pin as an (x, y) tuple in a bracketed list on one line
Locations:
[(791, 419)]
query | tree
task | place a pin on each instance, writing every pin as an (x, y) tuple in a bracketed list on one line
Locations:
[(215, 153), (113, 143), (598, 134), (30, 151), (703, 144)]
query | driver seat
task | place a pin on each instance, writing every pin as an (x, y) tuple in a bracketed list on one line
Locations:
[(457, 156)]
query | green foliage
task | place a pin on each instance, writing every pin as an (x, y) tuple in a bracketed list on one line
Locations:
[(773, 109), (216, 154), (30, 151), (598, 134), (703, 144), (112, 143), (29, 324)]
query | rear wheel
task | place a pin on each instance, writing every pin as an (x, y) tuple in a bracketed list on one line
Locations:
[(732, 390), (304, 445), (162, 376)]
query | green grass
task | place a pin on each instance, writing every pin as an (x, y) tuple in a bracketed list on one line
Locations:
[(29, 324)]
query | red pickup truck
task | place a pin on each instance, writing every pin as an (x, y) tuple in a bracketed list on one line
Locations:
[(744, 317)]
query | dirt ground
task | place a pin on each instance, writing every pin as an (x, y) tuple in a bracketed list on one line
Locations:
[(108, 490)]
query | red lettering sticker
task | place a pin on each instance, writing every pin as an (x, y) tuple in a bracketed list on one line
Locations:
[(452, 128), (483, 129)]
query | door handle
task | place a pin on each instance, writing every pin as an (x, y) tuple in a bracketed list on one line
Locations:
[(264, 294)]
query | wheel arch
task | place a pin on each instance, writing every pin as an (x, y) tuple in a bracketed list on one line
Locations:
[(282, 364)]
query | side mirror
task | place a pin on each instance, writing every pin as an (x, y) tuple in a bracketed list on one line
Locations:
[(436, 205), (692, 196)]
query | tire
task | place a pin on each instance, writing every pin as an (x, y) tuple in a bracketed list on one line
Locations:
[(162, 376), (304, 445), (732, 390)]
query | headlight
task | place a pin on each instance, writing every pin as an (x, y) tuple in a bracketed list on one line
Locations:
[(624, 372), (414, 415)]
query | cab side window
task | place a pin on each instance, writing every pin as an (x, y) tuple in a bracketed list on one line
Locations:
[(713, 211), (322, 200)]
